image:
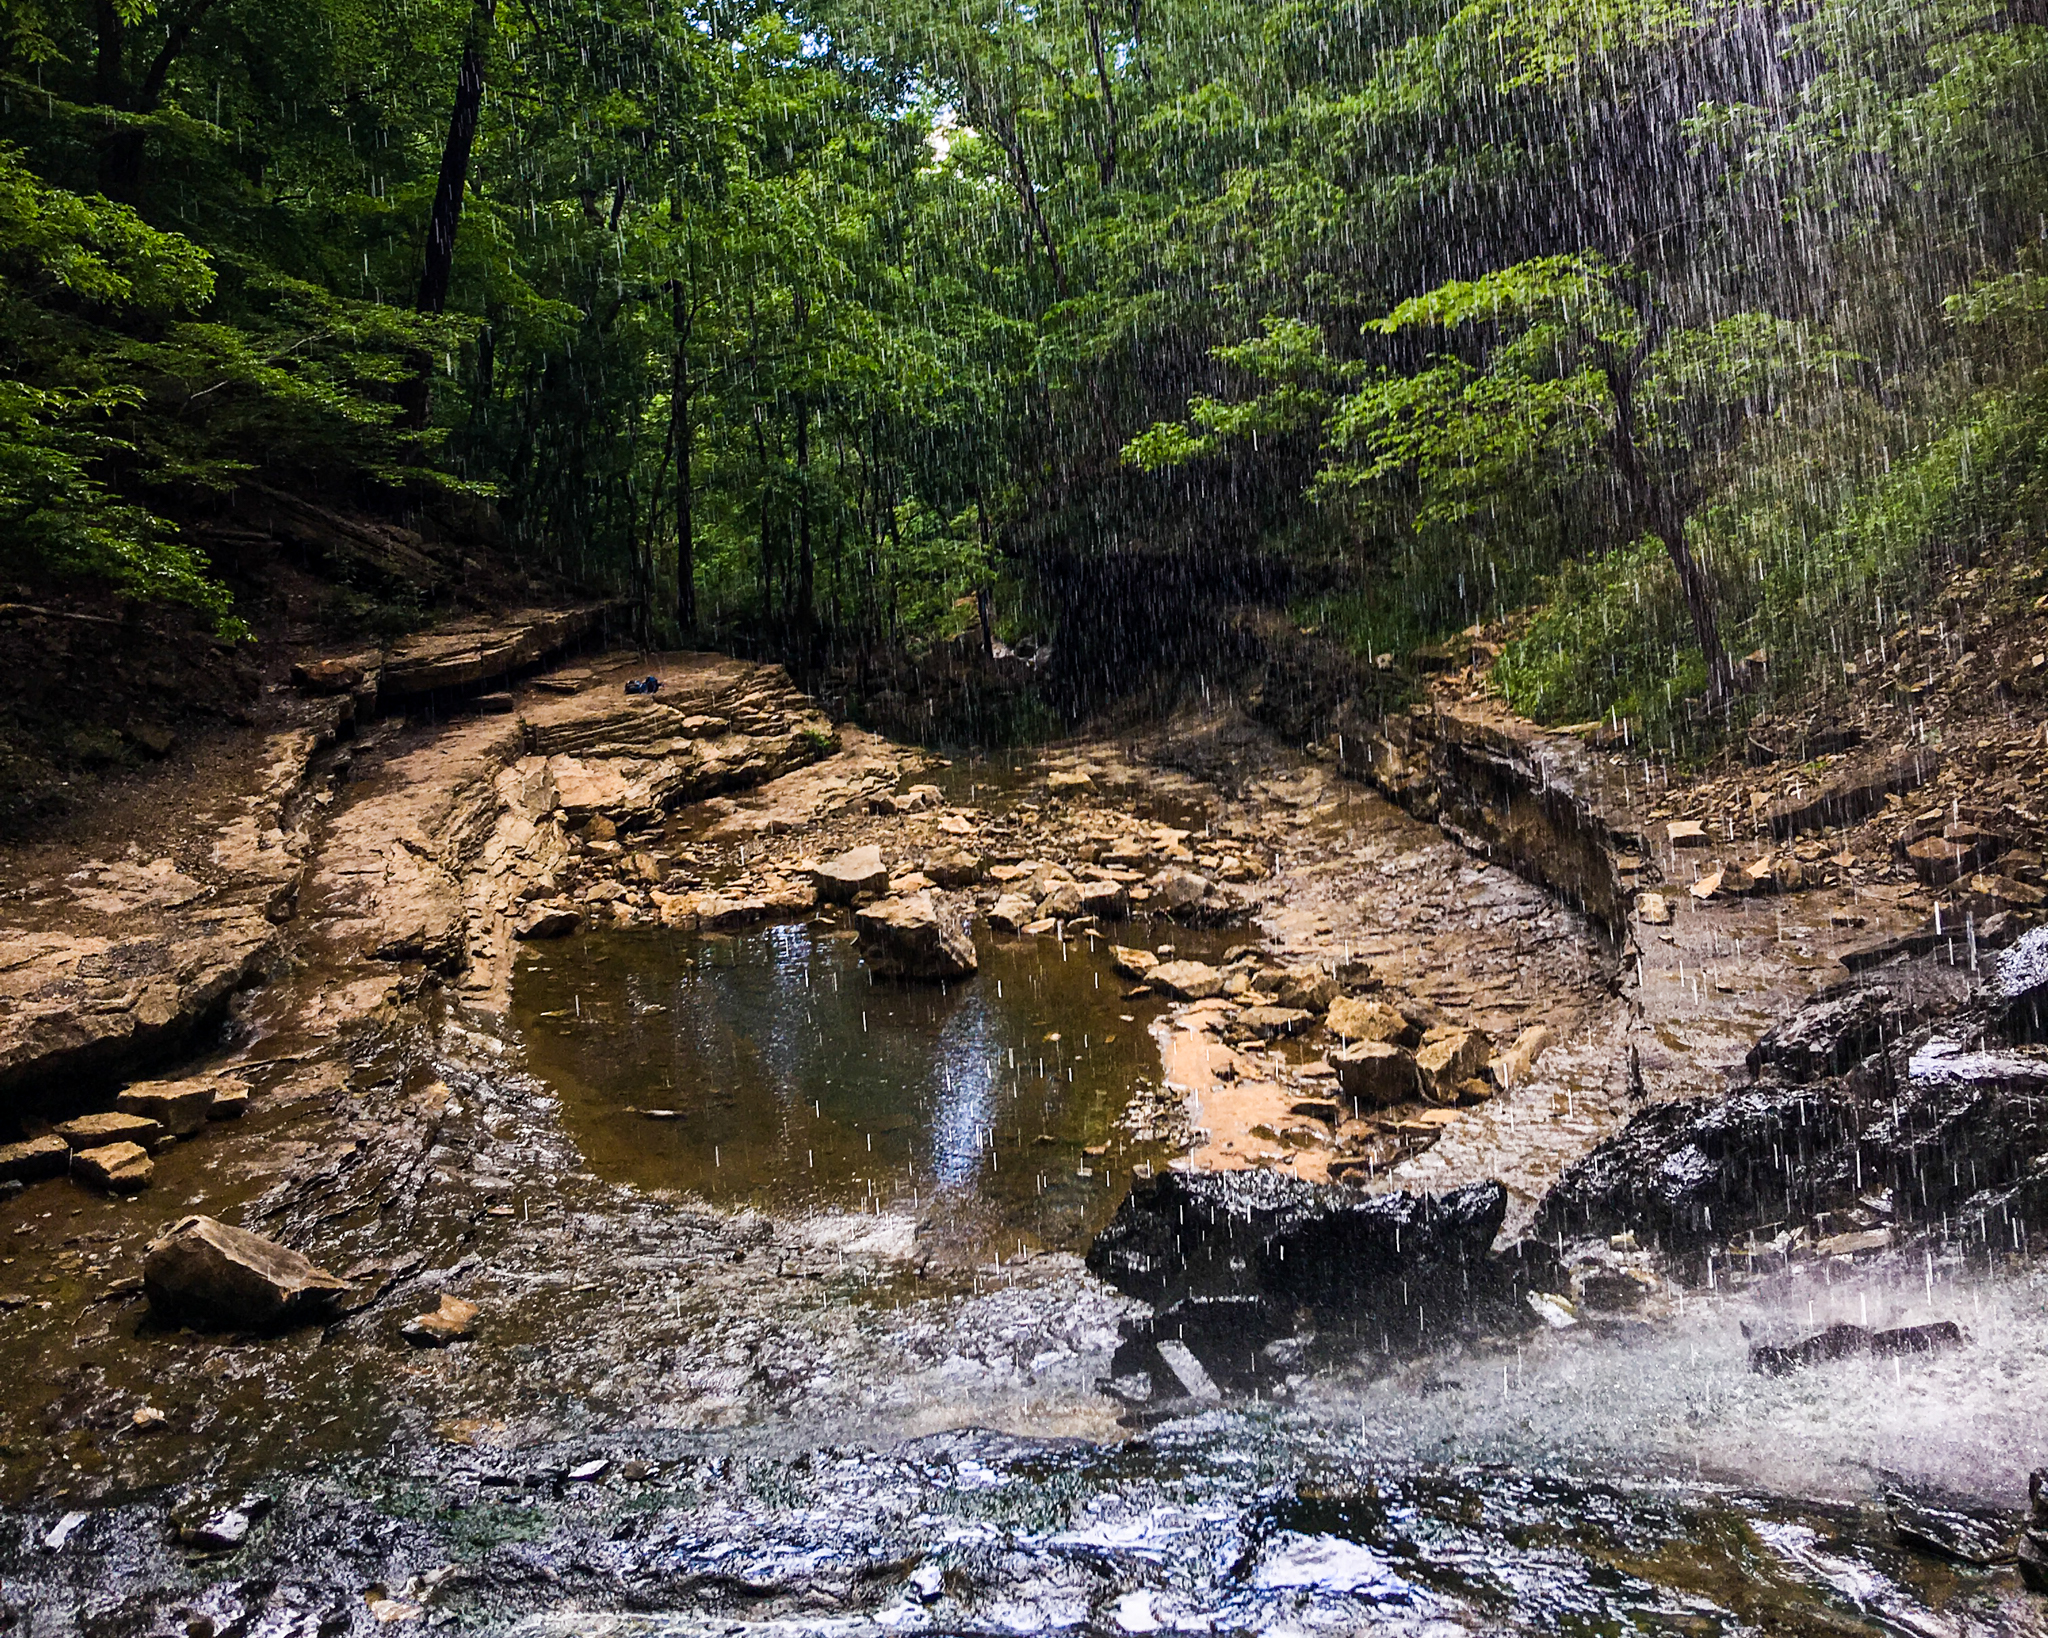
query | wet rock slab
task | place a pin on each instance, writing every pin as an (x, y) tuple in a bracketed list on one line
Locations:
[(210, 1274), (1235, 1264)]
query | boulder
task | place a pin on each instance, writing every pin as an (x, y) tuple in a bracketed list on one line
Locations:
[(208, 1274), (453, 1321), (1132, 963), (1449, 1057), (230, 1101), (48, 1156), (841, 880), (2033, 1542), (1011, 913), (1654, 909), (1187, 980), (1104, 899), (549, 921), (1309, 988), (1068, 781), (118, 1168), (1356, 1020), (93, 1131), (1184, 895), (954, 868), (1375, 1073), (918, 936), (1063, 903), (180, 1107)]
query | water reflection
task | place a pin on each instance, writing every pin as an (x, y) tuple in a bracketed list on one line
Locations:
[(772, 1068)]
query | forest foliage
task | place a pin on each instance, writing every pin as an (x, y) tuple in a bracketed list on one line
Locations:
[(1694, 326)]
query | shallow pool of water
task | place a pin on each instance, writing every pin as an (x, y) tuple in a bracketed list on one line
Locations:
[(771, 1068)]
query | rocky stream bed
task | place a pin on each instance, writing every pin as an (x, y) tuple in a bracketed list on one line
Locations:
[(748, 1175)]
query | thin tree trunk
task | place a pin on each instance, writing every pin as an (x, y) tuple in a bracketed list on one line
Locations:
[(1106, 159), (806, 565), (682, 432), (446, 216), (1661, 514)]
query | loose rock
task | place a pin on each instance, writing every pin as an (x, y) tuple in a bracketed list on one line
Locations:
[(452, 1321), (1187, 980), (1376, 1073), (48, 1156), (920, 936), (209, 1274), (93, 1131), (841, 880), (180, 1107), (119, 1168)]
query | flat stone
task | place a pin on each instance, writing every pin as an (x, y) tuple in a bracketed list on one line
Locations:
[(47, 1156), (452, 1321), (920, 936), (857, 871), (1065, 781), (1107, 900), (210, 1274), (1686, 833), (1375, 1073), (1130, 962), (230, 1101), (1267, 1022), (119, 1168), (91, 1131), (180, 1107), (1353, 1019), (1653, 910), (1187, 980)]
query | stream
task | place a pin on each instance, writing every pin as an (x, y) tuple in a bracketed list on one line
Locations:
[(788, 1324)]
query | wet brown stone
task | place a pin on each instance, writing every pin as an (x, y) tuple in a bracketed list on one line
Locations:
[(209, 1273), (91, 1131), (119, 1168)]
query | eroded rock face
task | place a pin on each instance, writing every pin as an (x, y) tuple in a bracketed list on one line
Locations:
[(209, 1274), (78, 1006), (1230, 1259), (1939, 1126), (921, 935)]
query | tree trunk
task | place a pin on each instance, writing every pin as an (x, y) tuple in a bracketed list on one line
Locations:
[(1106, 158), (806, 565), (681, 431), (1706, 620), (1655, 509), (446, 215)]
